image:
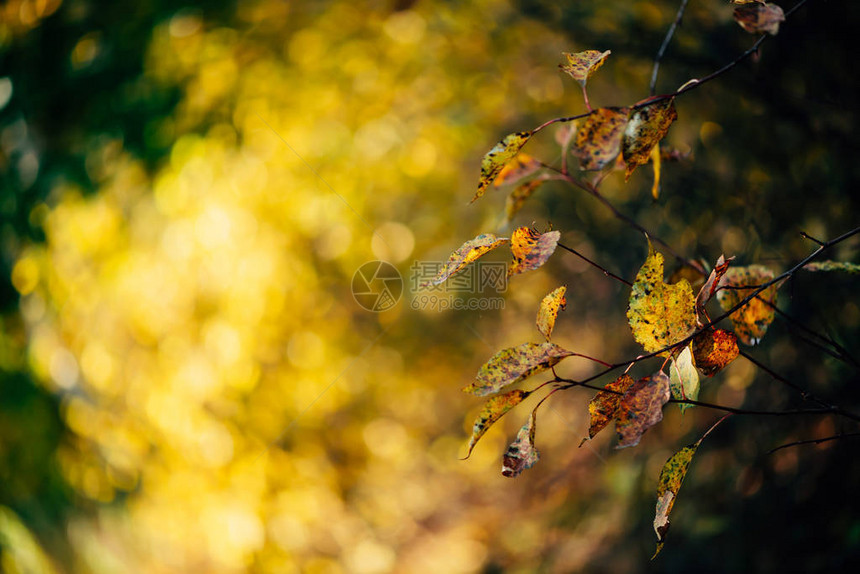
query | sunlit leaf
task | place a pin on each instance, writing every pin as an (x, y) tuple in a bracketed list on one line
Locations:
[(645, 128), (523, 165), (640, 408), (494, 161), (852, 268), (598, 140), (519, 196), (465, 254), (710, 287), (514, 364), (713, 350), (581, 65), (750, 322), (684, 378), (659, 314), (603, 407), (656, 161), (531, 249), (493, 410), (521, 454), (549, 308), (669, 484), (759, 18)]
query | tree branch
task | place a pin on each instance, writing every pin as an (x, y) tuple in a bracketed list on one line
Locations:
[(587, 260), (814, 441), (665, 44)]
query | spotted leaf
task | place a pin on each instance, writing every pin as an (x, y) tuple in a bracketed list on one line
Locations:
[(465, 254), (645, 127), (581, 65), (751, 321), (515, 364), (549, 308), (531, 249), (493, 410), (671, 477), (641, 407), (713, 350), (495, 159), (758, 18), (604, 406), (852, 268), (521, 454), (598, 140)]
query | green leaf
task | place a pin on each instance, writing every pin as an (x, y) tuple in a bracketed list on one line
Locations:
[(852, 268), (659, 314), (751, 321), (515, 364), (549, 308), (598, 140), (493, 410), (465, 254), (641, 408), (581, 65), (531, 249), (646, 126), (495, 159), (521, 454), (604, 406), (684, 378)]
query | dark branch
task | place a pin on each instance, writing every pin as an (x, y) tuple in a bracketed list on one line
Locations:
[(662, 51), (589, 261), (814, 441)]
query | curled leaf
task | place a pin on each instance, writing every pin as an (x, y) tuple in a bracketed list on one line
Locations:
[(494, 161), (519, 196), (713, 350), (671, 477), (598, 140), (493, 410), (521, 454), (659, 314), (641, 408), (549, 308), (523, 165), (683, 378), (656, 163), (710, 287), (646, 126), (852, 268), (514, 364), (758, 18), (581, 65), (465, 254), (531, 249), (750, 322), (603, 407)]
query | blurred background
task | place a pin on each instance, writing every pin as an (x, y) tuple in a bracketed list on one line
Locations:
[(188, 385)]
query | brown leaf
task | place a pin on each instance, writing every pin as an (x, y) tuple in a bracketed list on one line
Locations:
[(758, 18), (713, 350), (710, 287), (514, 364), (581, 65), (521, 454), (465, 254), (604, 405), (641, 408), (549, 308), (495, 159), (598, 140), (493, 410), (531, 249), (750, 321), (523, 165), (645, 128), (519, 196)]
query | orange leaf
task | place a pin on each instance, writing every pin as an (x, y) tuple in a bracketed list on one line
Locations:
[(598, 140), (549, 308), (604, 405), (521, 166), (531, 249), (750, 321), (465, 254), (713, 350), (581, 65), (514, 364), (758, 18), (645, 128), (641, 408), (495, 159)]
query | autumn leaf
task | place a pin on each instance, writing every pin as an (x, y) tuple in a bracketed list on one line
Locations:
[(640, 408), (656, 163), (713, 350), (603, 407), (598, 140), (750, 322), (495, 159), (465, 254), (852, 268), (669, 484), (646, 126), (683, 378), (493, 410), (758, 18), (710, 287), (521, 454), (659, 314), (549, 308), (531, 249), (519, 196), (514, 364), (523, 165), (581, 65)]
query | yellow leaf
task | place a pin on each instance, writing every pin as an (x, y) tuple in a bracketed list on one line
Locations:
[(519, 196), (581, 65), (531, 249), (684, 378), (549, 308), (671, 477), (515, 364), (465, 254), (495, 159), (523, 165), (656, 159), (645, 128), (493, 410), (598, 140), (751, 321), (659, 314)]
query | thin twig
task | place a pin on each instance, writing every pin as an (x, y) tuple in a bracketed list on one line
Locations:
[(605, 271), (662, 51), (814, 441)]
